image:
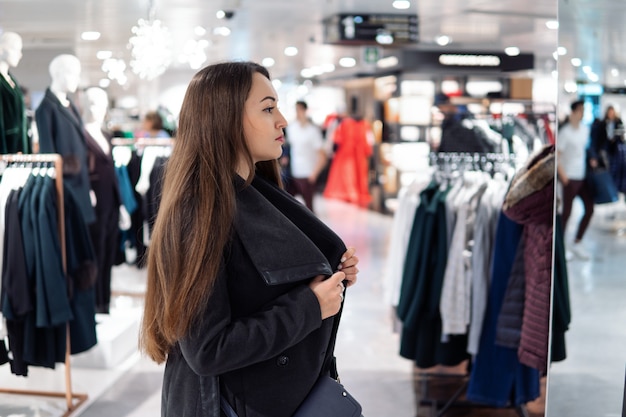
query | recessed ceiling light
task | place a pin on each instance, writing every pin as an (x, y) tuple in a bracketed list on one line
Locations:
[(576, 62), (199, 30), (512, 51), (561, 50), (291, 51), (222, 31), (401, 4), (104, 54), (90, 36), (552, 24), (347, 62), (443, 40), (220, 14), (268, 62)]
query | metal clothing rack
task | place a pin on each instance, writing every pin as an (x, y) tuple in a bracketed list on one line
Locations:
[(142, 142), (73, 400)]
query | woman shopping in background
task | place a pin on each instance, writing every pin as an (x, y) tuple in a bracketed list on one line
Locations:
[(244, 282)]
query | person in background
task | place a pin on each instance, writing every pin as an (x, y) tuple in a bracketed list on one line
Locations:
[(244, 283), (152, 126), (572, 142), (606, 134), (307, 155)]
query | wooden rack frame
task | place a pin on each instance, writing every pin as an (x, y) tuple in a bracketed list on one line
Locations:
[(70, 396)]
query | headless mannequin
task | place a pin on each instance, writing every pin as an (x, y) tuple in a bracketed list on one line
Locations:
[(110, 213), (13, 122)]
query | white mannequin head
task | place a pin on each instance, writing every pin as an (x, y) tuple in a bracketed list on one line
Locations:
[(65, 73), (10, 49), (96, 104)]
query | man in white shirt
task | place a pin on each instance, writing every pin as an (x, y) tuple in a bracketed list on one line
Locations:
[(306, 153), (572, 142)]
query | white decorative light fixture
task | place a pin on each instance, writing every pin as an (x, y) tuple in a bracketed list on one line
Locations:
[(151, 47)]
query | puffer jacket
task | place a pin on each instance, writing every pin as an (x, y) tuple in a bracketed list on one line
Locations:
[(530, 202)]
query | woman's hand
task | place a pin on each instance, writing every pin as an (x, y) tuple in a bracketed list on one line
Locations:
[(348, 266), (329, 293)]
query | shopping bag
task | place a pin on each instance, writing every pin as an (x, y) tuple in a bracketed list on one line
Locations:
[(603, 186)]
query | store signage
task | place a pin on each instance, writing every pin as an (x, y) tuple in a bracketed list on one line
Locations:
[(467, 60), (371, 29), (462, 61)]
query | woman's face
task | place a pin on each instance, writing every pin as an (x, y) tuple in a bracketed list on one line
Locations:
[(263, 123), (610, 113)]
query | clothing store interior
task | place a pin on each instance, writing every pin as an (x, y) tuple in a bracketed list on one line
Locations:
[(437, 123)]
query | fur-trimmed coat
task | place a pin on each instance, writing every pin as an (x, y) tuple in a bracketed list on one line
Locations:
[(530, 202)]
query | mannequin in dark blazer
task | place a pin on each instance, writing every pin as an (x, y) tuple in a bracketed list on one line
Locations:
[(13, 122), (103, 181), (61, 130)]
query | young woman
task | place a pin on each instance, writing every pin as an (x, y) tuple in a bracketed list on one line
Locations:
[(244, 282)]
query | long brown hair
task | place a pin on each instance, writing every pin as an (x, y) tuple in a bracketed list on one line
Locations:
[(197, 206)]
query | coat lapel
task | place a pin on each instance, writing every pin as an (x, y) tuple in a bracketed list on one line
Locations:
[(280, 250)]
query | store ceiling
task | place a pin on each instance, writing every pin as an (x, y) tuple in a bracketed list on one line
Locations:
[(264, 28), (591, 30)]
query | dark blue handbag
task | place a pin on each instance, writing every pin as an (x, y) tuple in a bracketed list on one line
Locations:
[(328, 398), (603, 186)]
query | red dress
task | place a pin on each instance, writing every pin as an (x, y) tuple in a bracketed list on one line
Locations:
[(348, 174)]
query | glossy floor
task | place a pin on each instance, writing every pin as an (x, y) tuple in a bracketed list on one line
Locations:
[(589, 382)]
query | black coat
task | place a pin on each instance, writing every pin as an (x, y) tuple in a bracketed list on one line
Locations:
[(261, 332), (61, 131)]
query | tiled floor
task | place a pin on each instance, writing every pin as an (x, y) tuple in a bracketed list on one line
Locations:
[(588, 383)]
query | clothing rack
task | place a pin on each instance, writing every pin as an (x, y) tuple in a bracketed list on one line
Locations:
[(142, 142), (70, 396), (449, 165)]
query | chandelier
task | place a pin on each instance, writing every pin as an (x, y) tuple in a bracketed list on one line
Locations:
[(151, 48)]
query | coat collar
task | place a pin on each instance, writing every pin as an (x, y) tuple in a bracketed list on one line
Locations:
[(71, 112), (285, 241)]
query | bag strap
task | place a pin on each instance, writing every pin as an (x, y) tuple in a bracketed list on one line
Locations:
[(333, 337)]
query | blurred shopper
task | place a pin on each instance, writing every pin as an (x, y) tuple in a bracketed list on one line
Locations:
[(607, 146), (307, 157), (572, 143)]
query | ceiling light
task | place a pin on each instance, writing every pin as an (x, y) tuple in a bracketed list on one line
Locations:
[(151, 48), (268, 62), (443, 40), (199, 30), (587, 69), (221, 31), (570, 86), (615, 72), (90, 36), (512, 51), (593, 77), (307, 73), (561, 50), (576, 62), (220, 14), (104, 54), (387, 62), (291, 51), (552, 24), (401, 4), (347, 62), (328, 67), (384, 38), (104, 83)]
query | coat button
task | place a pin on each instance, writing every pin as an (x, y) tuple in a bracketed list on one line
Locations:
[(282, 360)]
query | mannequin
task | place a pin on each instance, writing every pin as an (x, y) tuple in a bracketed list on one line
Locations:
[(13, 122), (110, 213), (61, 130)]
